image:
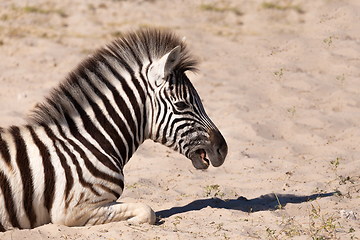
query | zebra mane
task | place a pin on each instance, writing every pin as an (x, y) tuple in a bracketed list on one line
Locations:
[(152, 44), (132, 49)]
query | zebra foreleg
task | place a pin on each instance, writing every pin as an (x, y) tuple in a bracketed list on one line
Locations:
[(135, 213)]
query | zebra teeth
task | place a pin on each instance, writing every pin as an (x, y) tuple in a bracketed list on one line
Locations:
[(206, 162), (203, 157), (199, 160)]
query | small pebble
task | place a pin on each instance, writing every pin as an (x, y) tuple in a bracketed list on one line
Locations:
[(347, 214)]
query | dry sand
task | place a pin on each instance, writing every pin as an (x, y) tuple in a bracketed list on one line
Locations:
[(280, 79)]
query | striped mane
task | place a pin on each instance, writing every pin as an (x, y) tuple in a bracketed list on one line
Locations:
[(151, 44), (130, 50)]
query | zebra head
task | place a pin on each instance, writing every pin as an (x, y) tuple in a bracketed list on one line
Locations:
[(177, 117)]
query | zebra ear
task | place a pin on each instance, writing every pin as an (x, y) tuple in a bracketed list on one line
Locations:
[(162, 68), (172, 59)]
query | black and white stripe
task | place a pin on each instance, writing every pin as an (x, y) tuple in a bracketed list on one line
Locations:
[(66, 165)]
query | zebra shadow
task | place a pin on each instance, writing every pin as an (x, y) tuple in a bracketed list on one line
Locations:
[(263, 203)]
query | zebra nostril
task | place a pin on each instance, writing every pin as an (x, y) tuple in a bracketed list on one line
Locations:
[(223, 149), (219, 143)]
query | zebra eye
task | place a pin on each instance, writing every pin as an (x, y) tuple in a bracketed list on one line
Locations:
[(181, 105)]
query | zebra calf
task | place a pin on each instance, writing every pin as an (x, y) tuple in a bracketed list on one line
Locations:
[(66, 165)]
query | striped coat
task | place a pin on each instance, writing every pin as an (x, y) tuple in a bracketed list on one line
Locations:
[(66, 165)]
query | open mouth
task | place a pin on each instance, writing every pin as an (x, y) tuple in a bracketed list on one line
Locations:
[(202, 150), (202, 154)]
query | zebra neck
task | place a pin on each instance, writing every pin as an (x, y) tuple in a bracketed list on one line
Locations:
[(98, 134), (102, 106), (112, 136)]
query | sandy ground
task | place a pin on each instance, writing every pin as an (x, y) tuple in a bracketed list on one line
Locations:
[(280, 79)]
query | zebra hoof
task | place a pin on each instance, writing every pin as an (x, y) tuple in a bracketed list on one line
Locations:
[(143, 214)]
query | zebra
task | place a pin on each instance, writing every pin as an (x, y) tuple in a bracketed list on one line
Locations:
[(65, 164)]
